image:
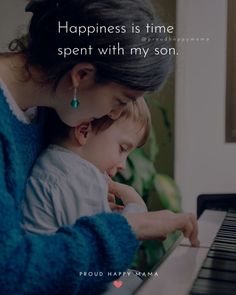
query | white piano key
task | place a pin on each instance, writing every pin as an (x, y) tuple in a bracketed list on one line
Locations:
[(208, 226), (176, 274)]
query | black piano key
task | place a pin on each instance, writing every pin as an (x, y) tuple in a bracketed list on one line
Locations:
[(222, 255), (228, 229), (220, 264), (229, 223), (226, 240), (230, 218), (217, 275), (212, 287), (223, 247), (231, 213), (233, 237), (227, 236), (226, 233)]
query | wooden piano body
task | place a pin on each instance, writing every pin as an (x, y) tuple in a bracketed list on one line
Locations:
[(209, 269)]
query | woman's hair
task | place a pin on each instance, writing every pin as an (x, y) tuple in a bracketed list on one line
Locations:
[(134, 71), (137, 111)]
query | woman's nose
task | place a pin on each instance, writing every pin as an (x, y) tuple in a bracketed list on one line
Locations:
[(115, 113)]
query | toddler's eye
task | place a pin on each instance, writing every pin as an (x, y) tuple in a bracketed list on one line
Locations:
[(123, 149)]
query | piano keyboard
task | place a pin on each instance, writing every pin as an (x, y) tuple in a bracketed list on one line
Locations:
[(218, 272), (209, 269)]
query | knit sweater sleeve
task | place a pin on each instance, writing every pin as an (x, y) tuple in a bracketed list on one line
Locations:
[(59, 263)]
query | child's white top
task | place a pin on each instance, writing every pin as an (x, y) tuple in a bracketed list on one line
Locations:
[(63, 187)]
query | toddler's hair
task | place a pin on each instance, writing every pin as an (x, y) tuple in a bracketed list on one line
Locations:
[(136, 110)]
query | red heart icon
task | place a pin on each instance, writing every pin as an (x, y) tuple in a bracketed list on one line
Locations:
[(118, 283)]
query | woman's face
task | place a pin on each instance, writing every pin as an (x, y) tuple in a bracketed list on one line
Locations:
[(108, 99), (95, 101)]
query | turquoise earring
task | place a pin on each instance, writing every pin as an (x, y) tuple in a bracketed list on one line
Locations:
[(75, 102)]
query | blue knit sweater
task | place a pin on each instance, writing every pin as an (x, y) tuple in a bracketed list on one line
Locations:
[(56, 264)]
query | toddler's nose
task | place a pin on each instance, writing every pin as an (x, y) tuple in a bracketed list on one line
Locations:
[(121, 166)]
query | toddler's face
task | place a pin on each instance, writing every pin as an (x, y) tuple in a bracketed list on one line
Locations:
[(109, 149)]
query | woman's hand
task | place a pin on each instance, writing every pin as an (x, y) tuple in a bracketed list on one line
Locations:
[(158, 224)]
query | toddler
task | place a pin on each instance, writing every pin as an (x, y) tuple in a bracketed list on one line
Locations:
[(70, 178)]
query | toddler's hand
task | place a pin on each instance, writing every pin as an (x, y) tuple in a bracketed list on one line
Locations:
[(112, 203), (126, 193)]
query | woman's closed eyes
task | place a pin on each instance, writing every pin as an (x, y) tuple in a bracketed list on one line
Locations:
[(121, 102)]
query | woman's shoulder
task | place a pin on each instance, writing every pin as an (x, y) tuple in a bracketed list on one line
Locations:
[(5, 116), (12, 126), (3, 104)]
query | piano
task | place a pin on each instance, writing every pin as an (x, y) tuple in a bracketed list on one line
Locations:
[(209, 269)]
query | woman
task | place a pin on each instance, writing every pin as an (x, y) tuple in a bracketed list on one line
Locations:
[(78, 88)]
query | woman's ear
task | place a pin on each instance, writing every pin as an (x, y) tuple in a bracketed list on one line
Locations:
[(82, 73), (81, 133)]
